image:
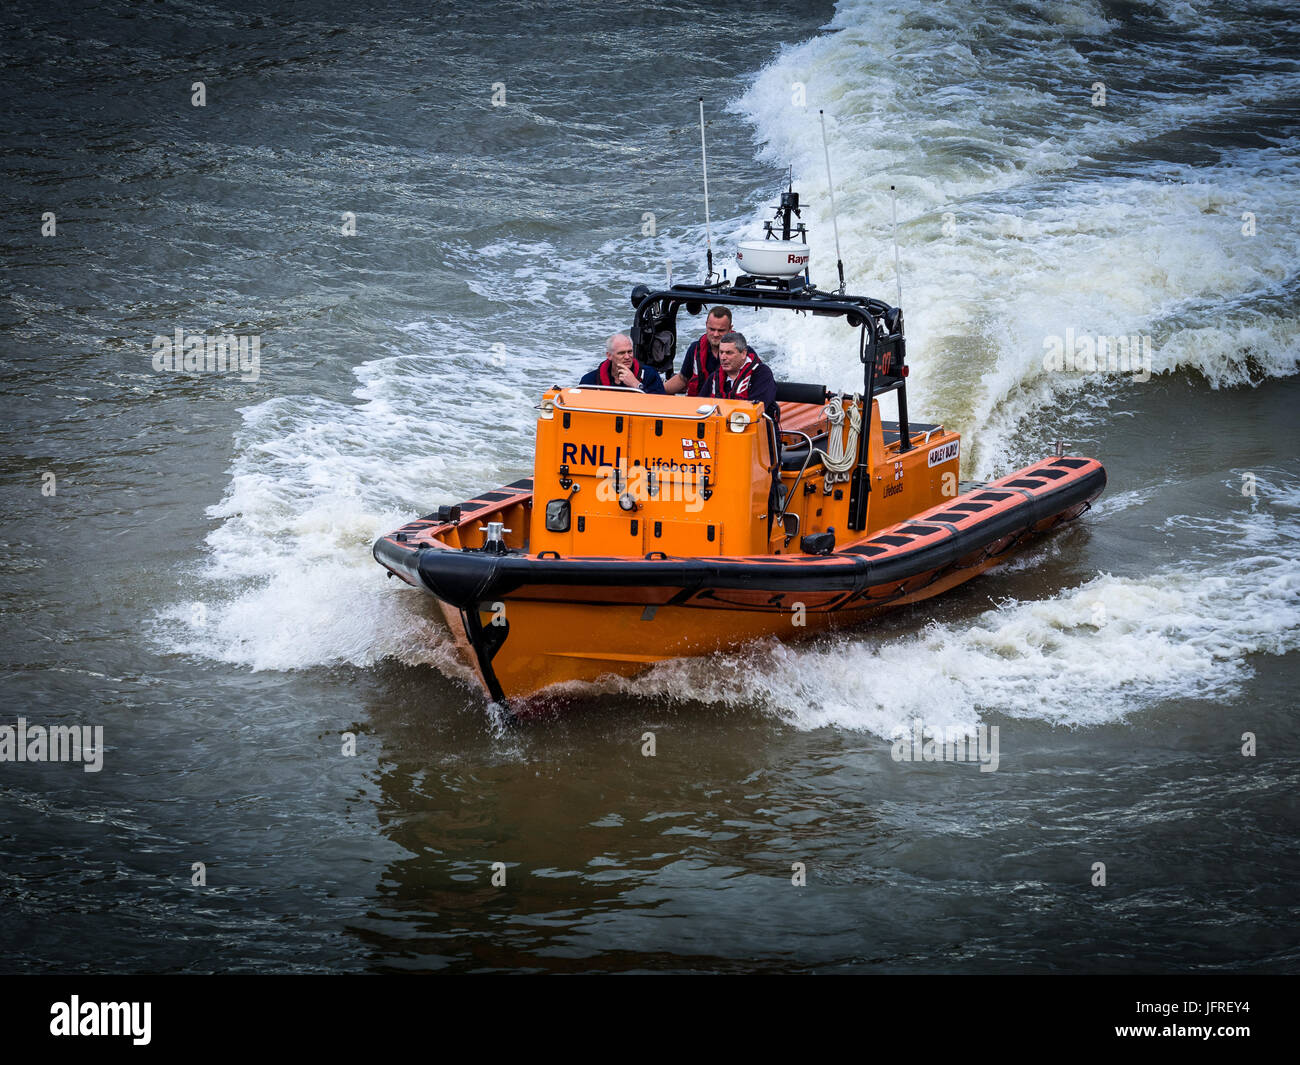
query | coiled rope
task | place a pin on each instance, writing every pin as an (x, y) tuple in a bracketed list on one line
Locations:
[(842, 453)]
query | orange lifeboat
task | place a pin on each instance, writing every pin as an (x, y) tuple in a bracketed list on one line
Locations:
[(663, 526)]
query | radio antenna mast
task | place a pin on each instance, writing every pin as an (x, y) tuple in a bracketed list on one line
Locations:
[(839, 262), (704, 158), (898, 276)]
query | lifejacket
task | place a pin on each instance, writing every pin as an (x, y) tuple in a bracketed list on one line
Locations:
[(607, 376), (702, 352), (740, 389)]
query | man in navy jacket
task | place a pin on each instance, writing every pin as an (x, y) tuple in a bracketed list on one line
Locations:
[(742, 375), (620, 368)]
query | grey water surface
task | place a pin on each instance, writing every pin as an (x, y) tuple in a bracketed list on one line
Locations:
[(199, 584)]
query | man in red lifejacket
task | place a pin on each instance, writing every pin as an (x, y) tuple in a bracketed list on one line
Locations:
[(716, 326), (620, 368), (742, 375)]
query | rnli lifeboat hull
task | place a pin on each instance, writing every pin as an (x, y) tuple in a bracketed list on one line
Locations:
[(530, 626)]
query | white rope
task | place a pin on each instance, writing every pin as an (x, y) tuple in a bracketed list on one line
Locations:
[(843, 452)]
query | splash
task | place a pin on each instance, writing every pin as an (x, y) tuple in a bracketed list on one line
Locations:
[(1025, 211)]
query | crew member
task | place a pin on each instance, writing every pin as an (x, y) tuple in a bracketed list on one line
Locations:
[(742, 375), (620, 368), (716, 326)]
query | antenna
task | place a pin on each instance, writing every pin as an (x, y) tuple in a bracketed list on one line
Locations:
[(831, 187), (704, 158), (898, 277)]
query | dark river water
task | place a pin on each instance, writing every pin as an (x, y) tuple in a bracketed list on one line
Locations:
[(185, 556)]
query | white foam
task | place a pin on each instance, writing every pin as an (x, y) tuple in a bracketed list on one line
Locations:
[(1091, 656), (976, 112), (289, 581)]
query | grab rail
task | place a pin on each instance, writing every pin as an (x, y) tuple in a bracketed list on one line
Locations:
[(806, 461), (702, 411), (776, 435)]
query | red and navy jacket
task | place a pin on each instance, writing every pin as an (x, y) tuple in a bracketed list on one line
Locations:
[(692, 366), (651, 383), (693, 370), (753, 381)]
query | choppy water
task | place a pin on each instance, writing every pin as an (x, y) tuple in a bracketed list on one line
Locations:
[(201, 586)]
